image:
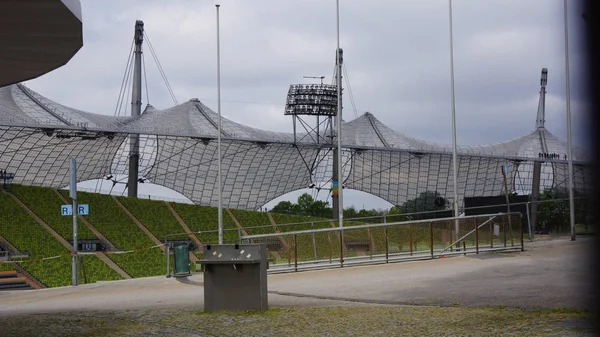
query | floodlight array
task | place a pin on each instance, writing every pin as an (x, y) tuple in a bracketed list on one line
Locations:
[(312, 99), (313, 89)]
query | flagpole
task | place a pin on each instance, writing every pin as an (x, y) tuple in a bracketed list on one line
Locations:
[(220, 210)]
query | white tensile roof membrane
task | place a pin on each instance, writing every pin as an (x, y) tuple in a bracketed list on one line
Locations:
[(179, 151)]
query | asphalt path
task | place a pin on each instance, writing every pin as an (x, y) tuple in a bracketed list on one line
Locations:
[(548, 274)]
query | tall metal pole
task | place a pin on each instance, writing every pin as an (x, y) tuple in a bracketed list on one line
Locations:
[(569, 149), (335, 177), (73, 195), (340, 175), (454, 159), (136, 110), (220, 218)]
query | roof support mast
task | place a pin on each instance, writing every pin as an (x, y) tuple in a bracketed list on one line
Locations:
[(541, 118), (537, 165), (136, 110)]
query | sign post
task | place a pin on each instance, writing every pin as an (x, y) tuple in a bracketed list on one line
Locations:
[(73, 195)]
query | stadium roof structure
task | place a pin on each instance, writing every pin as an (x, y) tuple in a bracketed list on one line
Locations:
[(179, 151)]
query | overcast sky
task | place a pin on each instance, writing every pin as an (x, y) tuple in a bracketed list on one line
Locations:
[(396, 54)]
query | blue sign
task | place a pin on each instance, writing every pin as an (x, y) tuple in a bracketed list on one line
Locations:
[(82, 209), (506, 169), (66, 210)]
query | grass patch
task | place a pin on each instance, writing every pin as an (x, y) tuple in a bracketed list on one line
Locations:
[(46, 204), (304, 321), (154, 215), (150, 262), (92, 269), (205, 219), (268, 312)]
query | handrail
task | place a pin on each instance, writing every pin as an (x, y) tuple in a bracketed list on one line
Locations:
[(469, 233), (341, 229)]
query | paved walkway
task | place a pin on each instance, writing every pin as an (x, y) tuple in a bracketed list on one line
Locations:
[(549, 274)]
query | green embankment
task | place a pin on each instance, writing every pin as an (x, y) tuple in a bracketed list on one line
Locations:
[(143, 263), (154, 215), (110, 220), (135, 255), (26, 235), (205, 219), (92, 269), (255, 223), (46, 204), (48, 261)]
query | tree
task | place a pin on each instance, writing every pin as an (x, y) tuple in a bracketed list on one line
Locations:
[(283, 207), (350, 212), (306, 205), (395, 210), (427, 201), (372, 215), (554, 214), (395, 214), (305, 202)]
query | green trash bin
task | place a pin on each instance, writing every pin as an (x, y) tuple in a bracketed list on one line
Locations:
[(182, 260)]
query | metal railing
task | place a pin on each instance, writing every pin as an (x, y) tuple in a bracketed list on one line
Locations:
[(388, 242), (431, 214)]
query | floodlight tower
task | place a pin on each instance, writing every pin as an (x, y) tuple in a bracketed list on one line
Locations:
[(319, 100), (136, 109), (322, 100), (318, 127), (311, 100)]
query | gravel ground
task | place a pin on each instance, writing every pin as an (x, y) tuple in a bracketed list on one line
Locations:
[(328, 321)]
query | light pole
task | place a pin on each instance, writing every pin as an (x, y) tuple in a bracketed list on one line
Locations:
[(220, 207), (339, 121), (454, 159), (569, 145)]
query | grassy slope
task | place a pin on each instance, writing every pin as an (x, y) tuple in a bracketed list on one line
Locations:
[(205, 218), (154, 214), (46, 204), (108, 218), (253, 222), (25, 234)]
